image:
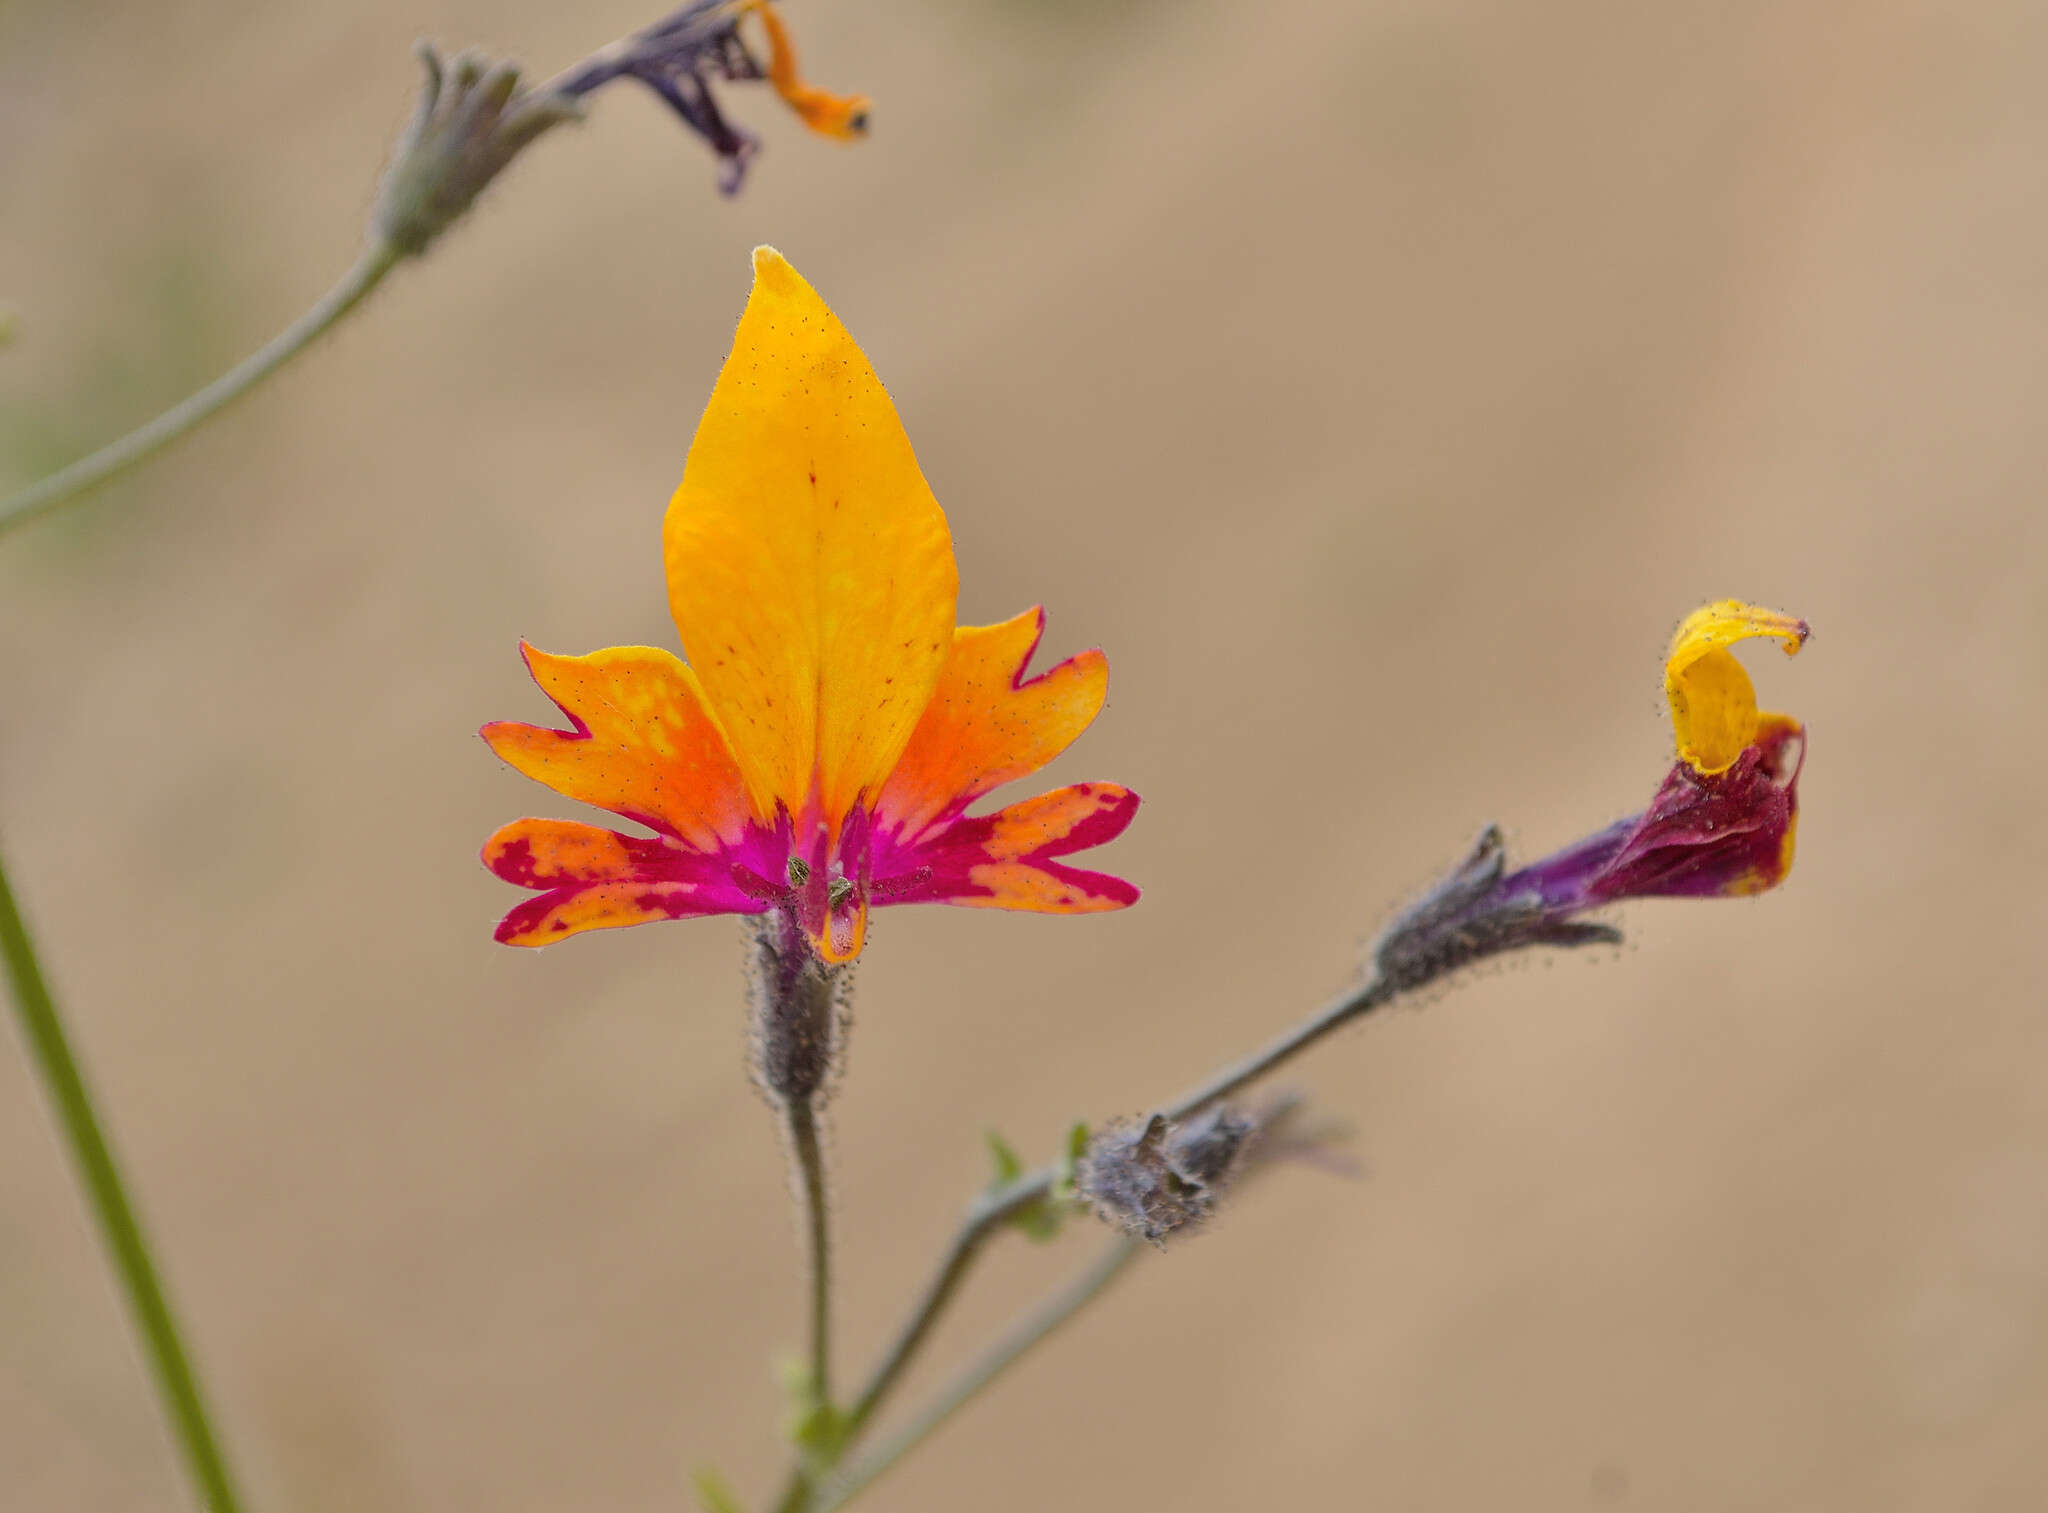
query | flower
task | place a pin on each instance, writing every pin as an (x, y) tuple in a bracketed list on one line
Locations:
[(821, 748), (679, 56), (474, 117), (1722, 823), (1729, 833), (1713, 704), (1726, 816)]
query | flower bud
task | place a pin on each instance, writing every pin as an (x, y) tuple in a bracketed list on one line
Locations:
[(470, 122), (1473, 913), (1157, 1178)]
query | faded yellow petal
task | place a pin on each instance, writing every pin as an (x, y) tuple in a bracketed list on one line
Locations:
[(809, 567), (1713, 703)]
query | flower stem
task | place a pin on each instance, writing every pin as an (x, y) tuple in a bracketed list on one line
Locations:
[(378, 259), (983, 1219), (817, 1223), (1374, 992), (991, 1210), (183, 1402), (1027, 1332)]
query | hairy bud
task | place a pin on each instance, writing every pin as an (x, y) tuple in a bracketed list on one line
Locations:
[(1475, 912), (1156, 1178), (471, 121), (799, 1006)]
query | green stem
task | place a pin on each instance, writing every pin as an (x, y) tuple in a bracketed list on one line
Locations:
[(183, 1401), (378, 259), (1026, 1333), (817, 1223)]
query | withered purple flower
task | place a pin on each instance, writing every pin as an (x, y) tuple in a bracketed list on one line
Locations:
[(474, 117), (679, 58)]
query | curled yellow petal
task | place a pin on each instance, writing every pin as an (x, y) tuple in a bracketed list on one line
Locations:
[(1713, 703), (809, 567)]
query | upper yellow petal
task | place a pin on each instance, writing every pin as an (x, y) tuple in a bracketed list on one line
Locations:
[(1713, 703), (809, 567)]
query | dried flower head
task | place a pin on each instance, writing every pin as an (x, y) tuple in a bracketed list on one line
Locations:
[(475, 117), (681, 56), (819, 752), (1153, 1178)]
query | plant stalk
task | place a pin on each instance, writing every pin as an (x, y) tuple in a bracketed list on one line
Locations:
[(378, 259), (184, 1403), (991, 1210), (816, 1219), (1026, 1333)]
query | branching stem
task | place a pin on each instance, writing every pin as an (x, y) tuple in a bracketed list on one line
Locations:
[(988, 1213), (1027, 1332), (991, 1210)]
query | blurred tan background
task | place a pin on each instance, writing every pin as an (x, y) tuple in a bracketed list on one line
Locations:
[(1378, 383)]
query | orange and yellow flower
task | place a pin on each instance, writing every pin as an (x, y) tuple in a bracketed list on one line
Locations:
[(820, 749)]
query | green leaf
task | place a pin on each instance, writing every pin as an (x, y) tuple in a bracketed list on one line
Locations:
[(816, 1427), (820, 1437), (713, 1492), (1066, 1187), (1009, 1166), (1041, 1220)]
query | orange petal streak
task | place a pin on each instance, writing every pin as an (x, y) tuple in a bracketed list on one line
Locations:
[(644, 745), (809, 567), (986, 725)]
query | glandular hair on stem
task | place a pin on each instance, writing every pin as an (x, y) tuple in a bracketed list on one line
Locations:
[(799, 1008)]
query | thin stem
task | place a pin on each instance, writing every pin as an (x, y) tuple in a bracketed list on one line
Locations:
[(817, 1223), (1373, 993), (378, 259), (982, 1221), (991, 1210), (1027, 1332), (988, 1213), (183, 1401)]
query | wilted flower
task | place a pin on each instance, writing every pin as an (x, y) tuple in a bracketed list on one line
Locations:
[(474, 117), (819, 752), (1723, 823), (1154, 1178), (679, 57)]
